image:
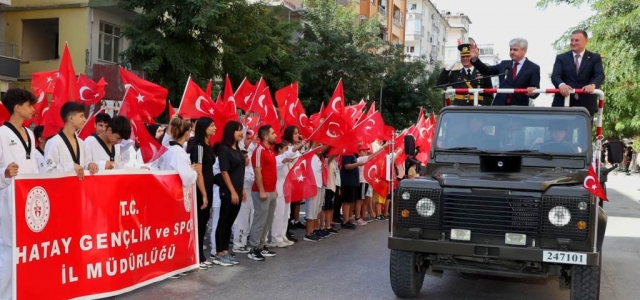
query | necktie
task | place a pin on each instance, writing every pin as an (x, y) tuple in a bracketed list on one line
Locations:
[(469, 73), (513, 77), (577, 62)]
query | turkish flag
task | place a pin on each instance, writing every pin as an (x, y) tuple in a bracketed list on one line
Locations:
[(333, 132), (89, 127), (67, 73), (228, 103), (44, 81), (156, 102), (196, 103), (132, 106), (592, 184), (172, 112), (65, 89), (315, 119), (244, 94), (370, 129), (90, 91), (353, 113), (372, 108), (150, 148), (251, 121), (374, 171), (336, 103), (269, 116), (399, 145), (4, 113), (258, 104), (300, 182), (285, 96), (294, 115)]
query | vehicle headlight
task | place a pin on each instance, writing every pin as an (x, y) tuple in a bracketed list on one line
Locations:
[(559, 216), (425, 207), (406, 196)]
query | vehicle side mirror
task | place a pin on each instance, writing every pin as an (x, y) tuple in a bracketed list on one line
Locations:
[(409, 145), (615, 152)]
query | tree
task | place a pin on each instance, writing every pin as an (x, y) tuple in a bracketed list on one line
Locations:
[(406, 87), (613, 34), (337, 45), (205, 39)]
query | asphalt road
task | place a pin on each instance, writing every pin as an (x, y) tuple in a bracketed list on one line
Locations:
[(355, 265)]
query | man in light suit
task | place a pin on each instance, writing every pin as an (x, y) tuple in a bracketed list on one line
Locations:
[(577, 69), (519, 73)]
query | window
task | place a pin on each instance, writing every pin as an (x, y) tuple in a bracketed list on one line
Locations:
[(565, 134), (110, 42), (414, 6), (411, 49), (40, 39)]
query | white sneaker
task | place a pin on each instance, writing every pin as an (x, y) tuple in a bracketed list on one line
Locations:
[(280, 245), (288, 242), (271, 245)]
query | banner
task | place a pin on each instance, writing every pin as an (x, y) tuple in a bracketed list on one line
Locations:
[(105, 235)]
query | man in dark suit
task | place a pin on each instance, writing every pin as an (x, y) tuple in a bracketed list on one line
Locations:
[(577, 69), (466, 77), (519, 73)]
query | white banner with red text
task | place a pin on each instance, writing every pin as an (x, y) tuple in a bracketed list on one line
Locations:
[(101, 236)]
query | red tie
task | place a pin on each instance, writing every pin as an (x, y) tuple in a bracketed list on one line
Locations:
[(513, 78)]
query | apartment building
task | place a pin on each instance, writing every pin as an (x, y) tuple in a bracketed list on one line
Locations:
[(39, 30), (425, 34), (392, 13), (9, 62), (457, 33)]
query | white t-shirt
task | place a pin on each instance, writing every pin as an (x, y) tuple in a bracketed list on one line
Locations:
[(316, 165), (361, 168)]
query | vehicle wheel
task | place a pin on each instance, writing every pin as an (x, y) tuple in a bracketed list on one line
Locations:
[(406, 280), (585, 283)]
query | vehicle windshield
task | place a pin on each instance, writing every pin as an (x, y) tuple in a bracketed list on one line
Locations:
[(533, 133)]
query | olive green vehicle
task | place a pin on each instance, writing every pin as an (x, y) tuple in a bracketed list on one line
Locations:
[(504, 194)]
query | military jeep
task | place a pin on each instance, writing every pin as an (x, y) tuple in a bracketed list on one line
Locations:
[(503, 194)]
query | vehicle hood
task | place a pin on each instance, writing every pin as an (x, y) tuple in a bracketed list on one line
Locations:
[(533, 179)]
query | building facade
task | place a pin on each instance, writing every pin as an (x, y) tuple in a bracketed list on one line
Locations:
[(9, 61), (392, 14), (489, 56), (457, 33), (425, 34), (92, 29)]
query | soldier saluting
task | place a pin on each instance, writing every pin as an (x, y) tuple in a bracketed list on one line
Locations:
[(466, 77)]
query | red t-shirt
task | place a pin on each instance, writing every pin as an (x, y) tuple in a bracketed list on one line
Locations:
[(264, 158)]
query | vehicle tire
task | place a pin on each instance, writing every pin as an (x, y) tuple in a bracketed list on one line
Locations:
[(406, 280), (585, 283)]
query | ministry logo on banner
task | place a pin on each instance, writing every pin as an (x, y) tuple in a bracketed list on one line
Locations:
[(37, 209)]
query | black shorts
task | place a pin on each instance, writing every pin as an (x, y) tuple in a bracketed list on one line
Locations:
[(349, 194), (364, 191), (328, 200)]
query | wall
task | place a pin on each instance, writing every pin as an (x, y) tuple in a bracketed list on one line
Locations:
[(45, 2), (108, 17), (72, 28)]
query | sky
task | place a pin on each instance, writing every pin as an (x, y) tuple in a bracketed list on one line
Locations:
[(498, 21)]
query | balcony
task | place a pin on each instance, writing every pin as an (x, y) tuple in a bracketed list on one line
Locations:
[(382, 11), (9, 63), (397, 22)]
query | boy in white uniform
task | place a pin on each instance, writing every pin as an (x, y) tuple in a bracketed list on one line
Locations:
[(104, 148), (65, 151), (17, 152), (245, 216)]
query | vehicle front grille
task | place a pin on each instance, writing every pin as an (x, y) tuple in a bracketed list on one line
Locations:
[(415, 220), (569, 231), (491, 214)]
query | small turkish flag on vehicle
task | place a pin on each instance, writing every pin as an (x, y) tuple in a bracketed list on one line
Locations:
[(592, 184)]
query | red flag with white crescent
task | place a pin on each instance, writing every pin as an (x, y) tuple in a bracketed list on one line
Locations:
[(90, 92), (374, 171), (300, 182), (592, 184)]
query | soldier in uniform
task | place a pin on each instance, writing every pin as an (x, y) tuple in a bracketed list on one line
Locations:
[(466, 77)]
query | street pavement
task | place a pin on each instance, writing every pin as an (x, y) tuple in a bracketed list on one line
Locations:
[(355, 265)]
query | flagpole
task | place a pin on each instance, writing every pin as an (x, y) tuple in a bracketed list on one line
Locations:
[(392, 178)]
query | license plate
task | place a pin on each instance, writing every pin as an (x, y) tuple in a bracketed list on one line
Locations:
[(564, 257)]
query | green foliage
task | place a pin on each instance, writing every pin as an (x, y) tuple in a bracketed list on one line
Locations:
[(406, 87), (336, 45), (207, 39), (614, 34)]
